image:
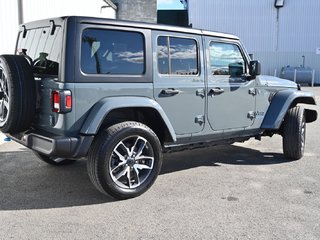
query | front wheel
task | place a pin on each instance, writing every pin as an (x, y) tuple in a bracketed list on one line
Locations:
[(294, 133), (125, 160)]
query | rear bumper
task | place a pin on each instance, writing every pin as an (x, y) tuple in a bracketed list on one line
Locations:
[(55, 145)]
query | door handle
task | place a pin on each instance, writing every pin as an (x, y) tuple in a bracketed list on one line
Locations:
[(216, 91), (170, 92)]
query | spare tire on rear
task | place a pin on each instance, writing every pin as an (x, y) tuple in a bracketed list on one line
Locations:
[(17, 94)]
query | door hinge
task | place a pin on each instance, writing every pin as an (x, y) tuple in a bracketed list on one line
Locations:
[(201, 93), (199, 119), (253, 91), (251, 115)]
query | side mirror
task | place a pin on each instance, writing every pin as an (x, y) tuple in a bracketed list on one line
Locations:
[(254, 68), (235, 69)]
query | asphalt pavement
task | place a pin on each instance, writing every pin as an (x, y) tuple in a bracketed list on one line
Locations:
[(240, 191)]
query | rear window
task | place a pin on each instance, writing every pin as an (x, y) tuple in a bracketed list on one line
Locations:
[(106, 51), (43, 48)]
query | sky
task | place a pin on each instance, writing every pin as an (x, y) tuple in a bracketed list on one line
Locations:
[(169, 4)]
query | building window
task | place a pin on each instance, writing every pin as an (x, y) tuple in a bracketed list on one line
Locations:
[(112, 52), (226, 59), (177, 56)]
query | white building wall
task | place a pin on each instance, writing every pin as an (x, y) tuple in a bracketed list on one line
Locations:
[(8, 26), (276, 37), (41, 9)]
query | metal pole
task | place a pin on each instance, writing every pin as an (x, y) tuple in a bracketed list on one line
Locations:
[(20, 12), (313, 74), (295, 75), (275, 72), (277, 31)]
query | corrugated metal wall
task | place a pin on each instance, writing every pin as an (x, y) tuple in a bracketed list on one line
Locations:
[(243, 18), (276, 39), (299, 25)]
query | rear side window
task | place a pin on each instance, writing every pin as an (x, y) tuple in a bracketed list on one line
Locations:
[(112, 52), (177, 56), (43, 48)]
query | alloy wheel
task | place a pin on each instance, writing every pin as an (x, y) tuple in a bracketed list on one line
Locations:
[(131, 162)]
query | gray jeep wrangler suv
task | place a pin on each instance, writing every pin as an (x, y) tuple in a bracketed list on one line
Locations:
[(120, 93)]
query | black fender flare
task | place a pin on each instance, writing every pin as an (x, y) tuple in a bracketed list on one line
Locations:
[(280, 104), (101, 109)]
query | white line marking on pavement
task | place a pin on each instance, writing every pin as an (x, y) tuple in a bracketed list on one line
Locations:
[(2, 137)]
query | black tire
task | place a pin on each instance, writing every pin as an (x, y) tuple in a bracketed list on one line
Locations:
[(294, 133), (17, 94), (125, 160), (53, 161)]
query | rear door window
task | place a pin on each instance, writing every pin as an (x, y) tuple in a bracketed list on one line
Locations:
[(177, 56)]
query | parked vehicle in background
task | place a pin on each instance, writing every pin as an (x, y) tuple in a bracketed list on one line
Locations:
[(120, 93)]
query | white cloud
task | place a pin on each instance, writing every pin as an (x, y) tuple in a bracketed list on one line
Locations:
[(178, 52), (133, 57)]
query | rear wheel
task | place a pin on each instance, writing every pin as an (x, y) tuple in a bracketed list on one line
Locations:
[(125, 160), (17, 94), (294, 133), (53, 161)]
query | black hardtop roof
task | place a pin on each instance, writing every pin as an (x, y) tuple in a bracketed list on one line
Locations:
[(107, 21)]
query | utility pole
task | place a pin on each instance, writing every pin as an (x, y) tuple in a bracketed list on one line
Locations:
[(20, 12), (110, 4)]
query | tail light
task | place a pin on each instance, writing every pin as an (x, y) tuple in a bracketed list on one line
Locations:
[(61, 101)]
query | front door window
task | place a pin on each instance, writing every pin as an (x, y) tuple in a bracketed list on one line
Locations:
[(226, 61)]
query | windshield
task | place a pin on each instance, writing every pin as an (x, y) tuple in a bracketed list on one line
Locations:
[(43, 49)]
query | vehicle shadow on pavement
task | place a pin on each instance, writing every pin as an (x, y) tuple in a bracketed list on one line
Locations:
[(29, 183), (214, 156)]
